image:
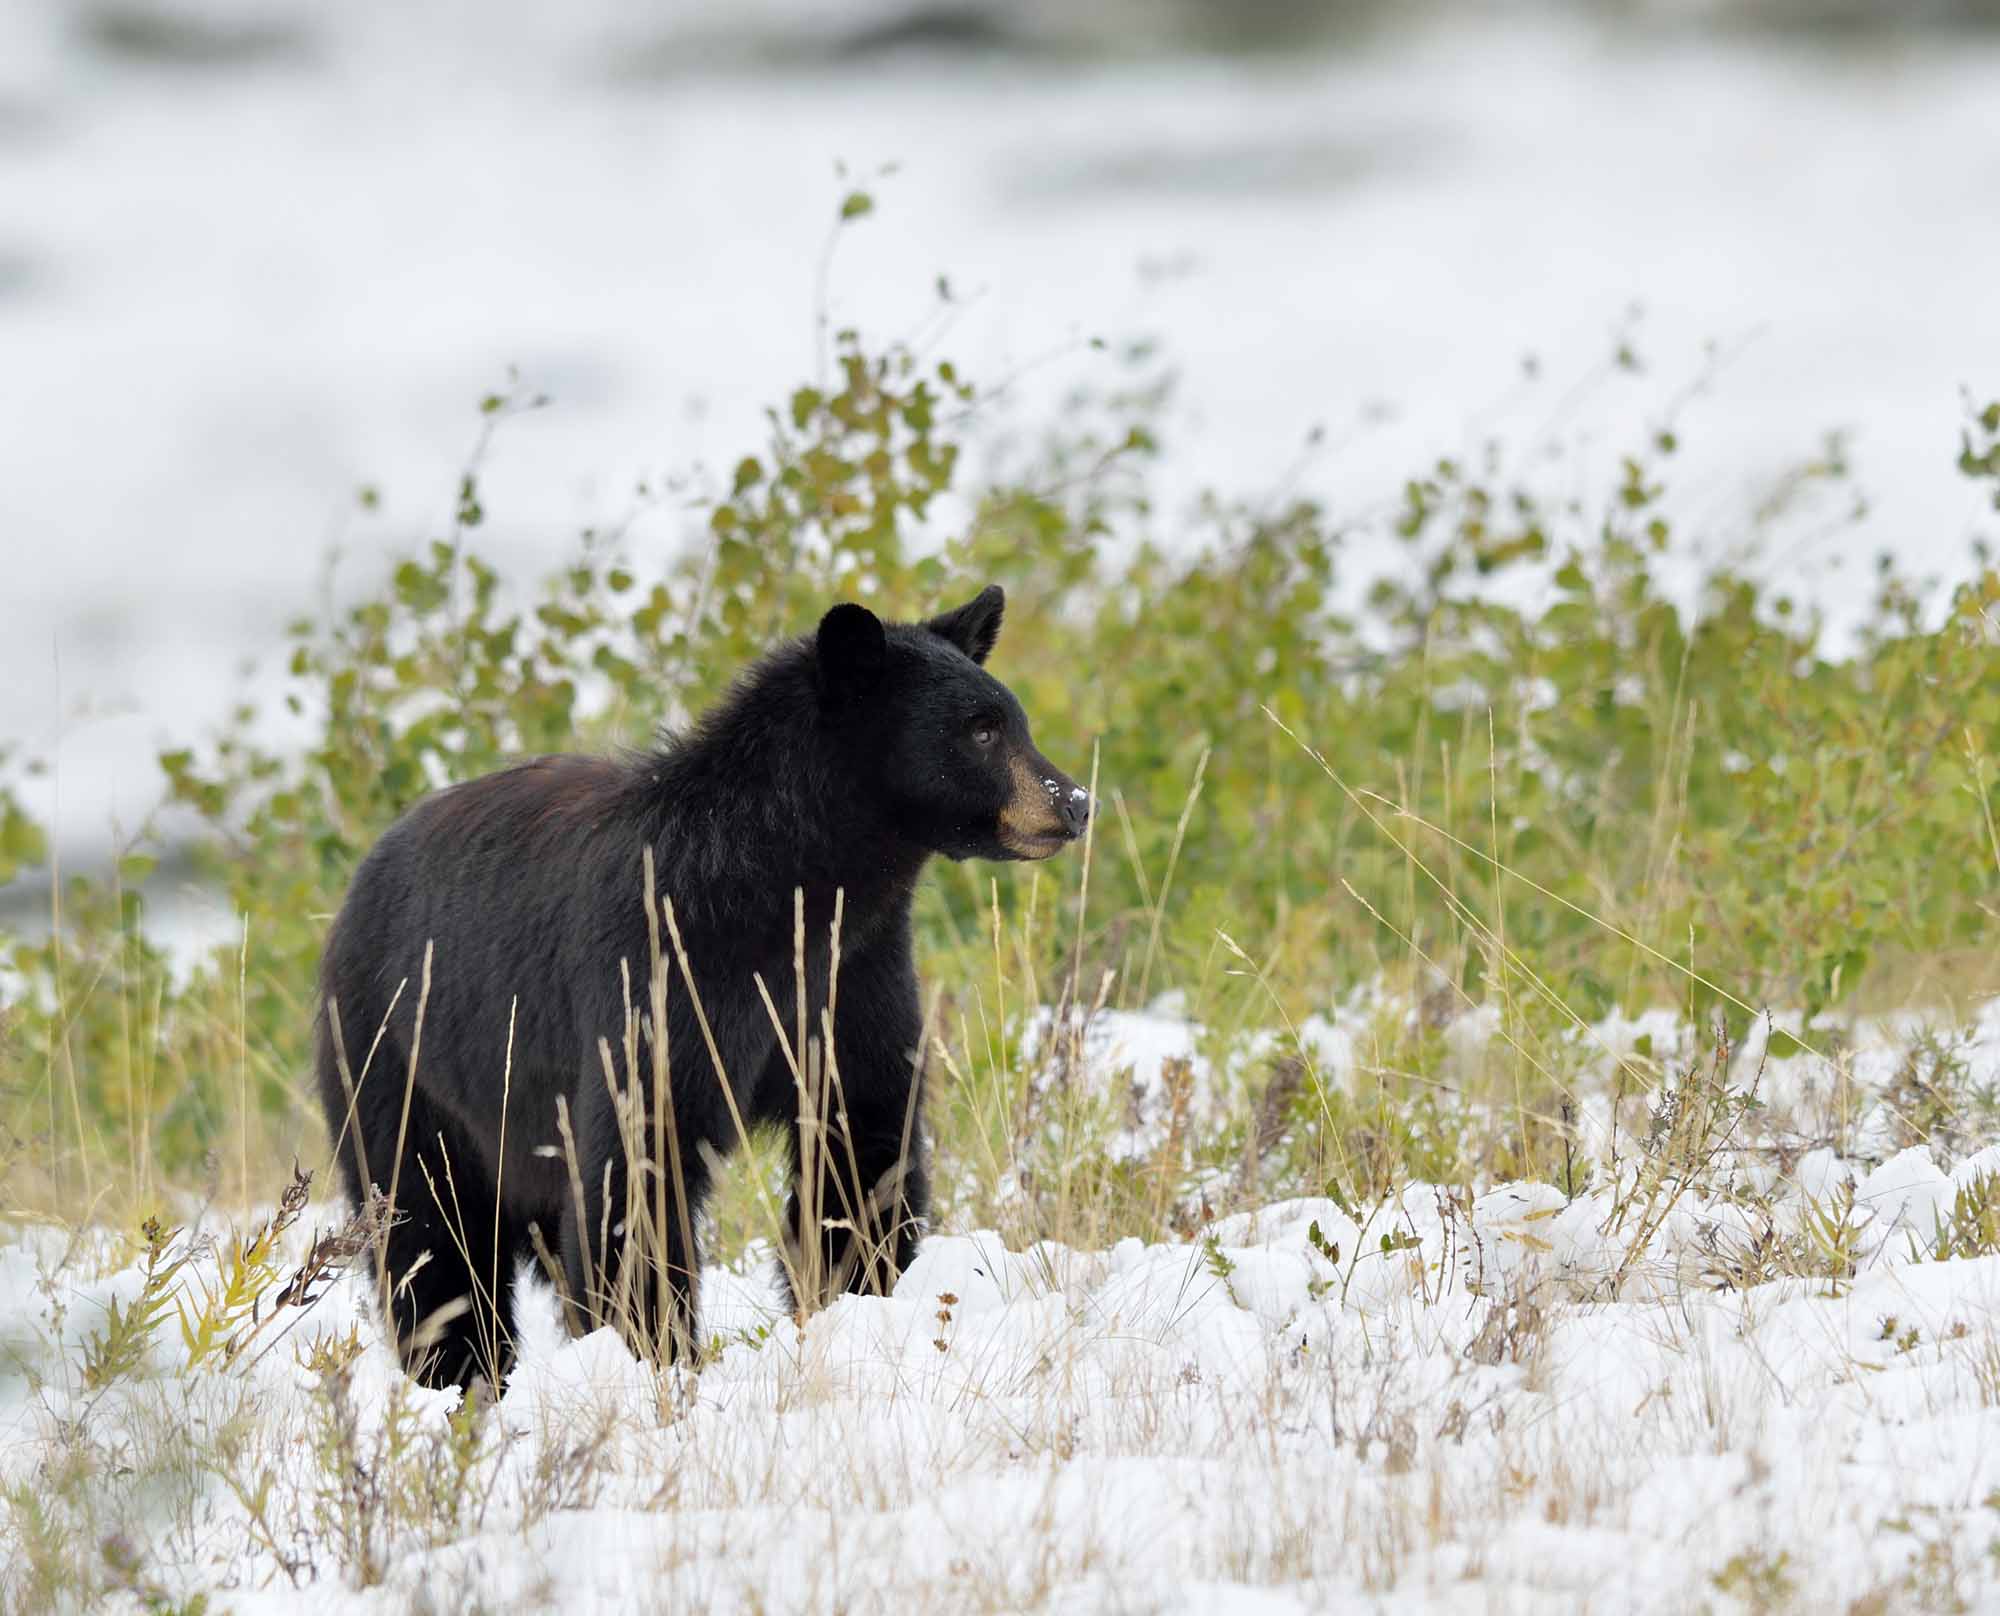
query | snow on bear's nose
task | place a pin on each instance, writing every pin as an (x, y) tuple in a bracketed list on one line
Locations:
[(1073, 804)]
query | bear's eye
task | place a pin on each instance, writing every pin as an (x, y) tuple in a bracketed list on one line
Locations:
[(985, 732)]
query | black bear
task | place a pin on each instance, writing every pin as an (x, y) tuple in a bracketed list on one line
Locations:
[(487, 1054)]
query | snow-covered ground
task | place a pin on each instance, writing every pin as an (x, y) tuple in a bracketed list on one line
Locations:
[(1452, 1400)]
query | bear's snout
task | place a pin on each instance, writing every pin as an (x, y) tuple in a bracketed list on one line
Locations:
[(1048, 810), (1073, 803)]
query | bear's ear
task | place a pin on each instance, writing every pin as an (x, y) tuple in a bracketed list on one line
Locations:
[(974, 626), (851, 648)]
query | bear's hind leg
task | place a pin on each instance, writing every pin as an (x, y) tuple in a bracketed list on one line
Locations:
[(447, 1264)]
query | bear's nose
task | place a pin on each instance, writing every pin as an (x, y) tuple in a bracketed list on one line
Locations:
[(1074, 805)]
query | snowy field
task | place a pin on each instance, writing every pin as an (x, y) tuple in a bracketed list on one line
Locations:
[(1753, 1383)]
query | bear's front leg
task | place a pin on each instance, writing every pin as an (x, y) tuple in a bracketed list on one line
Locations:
[(630, 1254), (858, 1151)]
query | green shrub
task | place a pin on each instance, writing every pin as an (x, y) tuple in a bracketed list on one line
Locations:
[(1555, 807)]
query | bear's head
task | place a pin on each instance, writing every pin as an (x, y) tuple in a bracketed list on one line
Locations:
[(944, 743)]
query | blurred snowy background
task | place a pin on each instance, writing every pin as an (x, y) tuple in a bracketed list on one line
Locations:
[(255, 254)]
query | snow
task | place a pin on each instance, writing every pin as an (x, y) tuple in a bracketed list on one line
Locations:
[(1156, 1067), (1490, 1399)]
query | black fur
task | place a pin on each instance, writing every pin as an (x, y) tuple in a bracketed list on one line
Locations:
[(838, 764)]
